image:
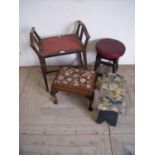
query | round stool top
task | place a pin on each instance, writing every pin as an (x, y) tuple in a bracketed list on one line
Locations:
[(110, 48)]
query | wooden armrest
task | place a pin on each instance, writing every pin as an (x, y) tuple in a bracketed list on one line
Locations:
[(34, 37), (35, 41), (82, 30)]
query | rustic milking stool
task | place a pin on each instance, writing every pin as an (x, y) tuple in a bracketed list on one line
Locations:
[(110, 50), (74, 80), (111, 100)]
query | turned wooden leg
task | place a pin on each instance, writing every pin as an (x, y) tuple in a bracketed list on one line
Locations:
[(97, 62), (85, 58), (115, 65), (54, 97), (91, 99), (44, 71), (79, 59)]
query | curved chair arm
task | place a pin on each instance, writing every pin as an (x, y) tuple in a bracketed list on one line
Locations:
[(35, 41), (81, 31)]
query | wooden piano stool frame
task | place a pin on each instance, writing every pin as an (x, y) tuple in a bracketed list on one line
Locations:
[(35, 43)]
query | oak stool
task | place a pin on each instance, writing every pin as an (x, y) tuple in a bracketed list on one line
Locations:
[(74, 80), (111, 50)]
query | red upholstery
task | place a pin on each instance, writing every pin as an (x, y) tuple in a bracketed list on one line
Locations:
[(110, 48), (54, 45)]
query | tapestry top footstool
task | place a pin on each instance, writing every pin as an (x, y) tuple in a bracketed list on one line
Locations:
[(75, 80), (111, 98)]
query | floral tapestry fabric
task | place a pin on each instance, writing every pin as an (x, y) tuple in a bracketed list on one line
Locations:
[(77, 78), (112, 93)]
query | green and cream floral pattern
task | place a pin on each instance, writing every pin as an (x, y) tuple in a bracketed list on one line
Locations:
[(112, 93)]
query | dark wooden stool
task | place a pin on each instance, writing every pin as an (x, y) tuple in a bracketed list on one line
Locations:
[(74, 80), (109, 49)]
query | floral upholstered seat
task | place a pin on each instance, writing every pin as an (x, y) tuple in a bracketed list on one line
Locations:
[(74, 80), (112, 93)]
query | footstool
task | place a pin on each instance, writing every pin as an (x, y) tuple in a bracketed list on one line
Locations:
[(74, 80), (111, 100)]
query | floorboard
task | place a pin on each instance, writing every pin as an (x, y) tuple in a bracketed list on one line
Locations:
[(69, 128), (23, 75)]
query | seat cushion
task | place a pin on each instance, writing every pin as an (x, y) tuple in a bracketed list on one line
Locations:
[(112, 93), (76, 80), (110, 48), (60, 45)]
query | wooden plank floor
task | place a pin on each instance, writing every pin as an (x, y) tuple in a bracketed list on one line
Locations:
[(69, 128)]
